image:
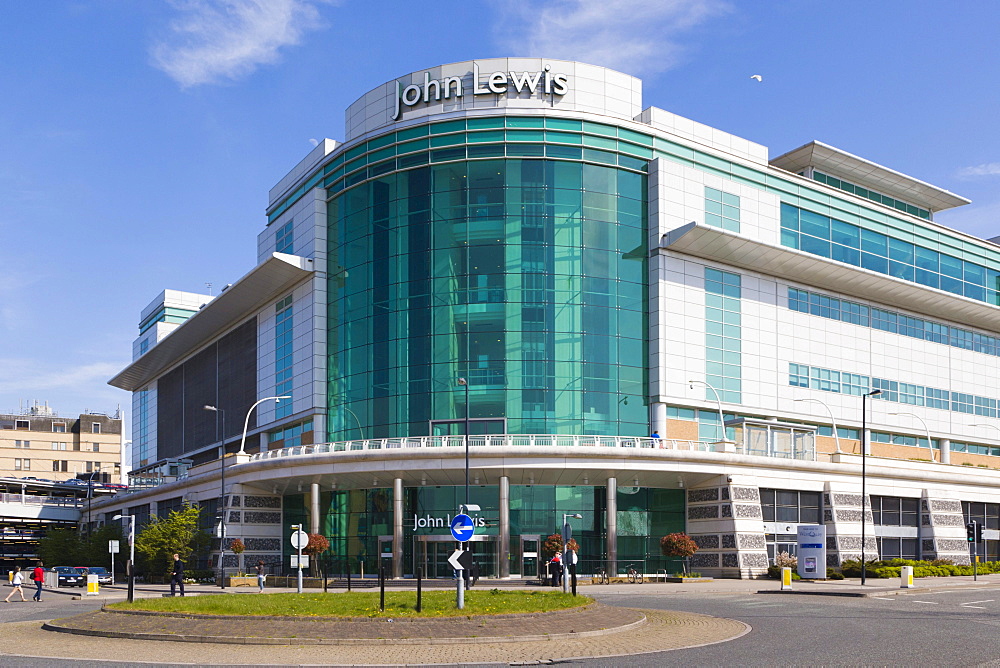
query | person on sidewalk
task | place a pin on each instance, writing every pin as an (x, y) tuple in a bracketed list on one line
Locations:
[(555, 570), (16, 583), (260, 577), (38, 575), (177, 577)]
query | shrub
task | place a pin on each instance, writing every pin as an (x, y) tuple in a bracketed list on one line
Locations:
[(786, 560), (775, 572), (833, 575)]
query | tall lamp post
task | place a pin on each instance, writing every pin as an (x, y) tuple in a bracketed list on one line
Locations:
[(130, 567), (718, 401), (836, 436), (246, 423), (221, 414), (927, 433), (864, 489), (465, 384)]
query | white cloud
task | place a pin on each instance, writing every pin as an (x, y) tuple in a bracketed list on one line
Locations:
[(634, 36), (220, 40), (985, 169), (67, 389)]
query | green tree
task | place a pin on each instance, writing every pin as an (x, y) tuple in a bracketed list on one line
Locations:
[(94, 548), (61, 547), (178, 533)]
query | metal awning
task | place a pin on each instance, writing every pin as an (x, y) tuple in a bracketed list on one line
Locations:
[(841, 164), (800, 267), (268, 281)]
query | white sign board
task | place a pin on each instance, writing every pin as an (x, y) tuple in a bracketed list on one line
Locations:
[(300, 539), (300, 564), (113, 546), (812, 551)]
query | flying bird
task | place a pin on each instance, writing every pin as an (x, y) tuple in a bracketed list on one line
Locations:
[(757, 77)]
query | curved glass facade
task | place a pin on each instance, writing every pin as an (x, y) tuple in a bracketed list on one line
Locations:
[(524, 275)]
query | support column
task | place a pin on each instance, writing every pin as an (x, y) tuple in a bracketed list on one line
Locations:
[(397, 528), (945, 450), (611, 522), (503, 554), (658, 418), (314, 508)]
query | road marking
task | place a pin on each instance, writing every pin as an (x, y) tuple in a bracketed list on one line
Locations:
[(977, 607), (884, 598), (927, 602), (990, 600)]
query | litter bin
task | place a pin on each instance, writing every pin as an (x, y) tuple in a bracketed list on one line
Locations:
[(93, 587)]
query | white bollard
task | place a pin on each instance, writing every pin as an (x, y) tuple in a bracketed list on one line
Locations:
[(906, 577), (786, 579)]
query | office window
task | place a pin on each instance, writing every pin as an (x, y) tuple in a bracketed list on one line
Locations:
[(60, 465), (59, 427), (143, 346), (58, 446), (283, 238), (97, 447), (895, 511), (722, 210), (779, 505), (17, 464), (21, 424), (26, 464), (95, 427)]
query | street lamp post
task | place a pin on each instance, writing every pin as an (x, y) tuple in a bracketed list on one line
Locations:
[(836, 436), (722, 418), (130, 567), (465, 383), (222, 494), (927, 433), (567, 532), (246, 423), (864, 489)]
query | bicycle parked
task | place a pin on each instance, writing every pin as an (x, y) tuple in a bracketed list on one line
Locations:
[(634, 576), (601, 577)]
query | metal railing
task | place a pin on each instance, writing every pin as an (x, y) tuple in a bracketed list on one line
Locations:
[(491, 441), (33, 500)]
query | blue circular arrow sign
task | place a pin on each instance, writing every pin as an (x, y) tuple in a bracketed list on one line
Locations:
[(462, 528)]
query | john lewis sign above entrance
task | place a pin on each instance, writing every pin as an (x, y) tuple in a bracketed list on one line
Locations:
[(544, 82)]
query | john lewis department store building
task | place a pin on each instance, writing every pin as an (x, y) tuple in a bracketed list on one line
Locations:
[(597, 272)]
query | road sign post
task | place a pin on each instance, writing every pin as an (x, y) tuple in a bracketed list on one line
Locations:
[(460, 560), (299, 540), (113, 550)]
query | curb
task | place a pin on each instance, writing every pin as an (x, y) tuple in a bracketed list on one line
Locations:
[(237, 640)]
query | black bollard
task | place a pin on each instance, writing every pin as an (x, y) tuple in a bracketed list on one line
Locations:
[(572, 571), (348, 576), (324, 578), (381, 588), (131, 581), (420, 572)]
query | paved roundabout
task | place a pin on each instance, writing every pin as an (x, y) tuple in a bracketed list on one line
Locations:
[(593, 631)]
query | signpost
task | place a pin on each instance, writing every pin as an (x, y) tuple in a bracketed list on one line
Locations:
[(812, 551), (462, 529), (113, 550), (299, 540)]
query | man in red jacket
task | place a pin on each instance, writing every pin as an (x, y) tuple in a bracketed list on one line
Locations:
[(38, 575)]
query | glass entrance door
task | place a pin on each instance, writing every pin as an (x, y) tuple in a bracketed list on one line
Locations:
[(432, 552), (530, 544)]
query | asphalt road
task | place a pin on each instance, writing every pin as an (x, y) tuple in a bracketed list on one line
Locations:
[(948, 628)]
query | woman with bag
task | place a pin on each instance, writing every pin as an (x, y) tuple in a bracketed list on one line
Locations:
[(18, 579), (260, 577), (38, 575)]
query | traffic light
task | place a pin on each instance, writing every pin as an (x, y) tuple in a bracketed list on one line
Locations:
[(979, 532), (971, 532)]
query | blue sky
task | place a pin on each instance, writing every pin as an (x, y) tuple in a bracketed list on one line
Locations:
[(138, 140)]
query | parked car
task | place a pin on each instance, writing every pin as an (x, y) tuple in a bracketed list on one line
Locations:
[(103, 576), (70, 576)]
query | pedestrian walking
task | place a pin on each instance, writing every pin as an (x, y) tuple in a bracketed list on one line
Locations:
[(177, 577), (261, 577), (16, 583), (38, 575)]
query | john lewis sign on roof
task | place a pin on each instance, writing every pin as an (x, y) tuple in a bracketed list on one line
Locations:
[(496, 83)]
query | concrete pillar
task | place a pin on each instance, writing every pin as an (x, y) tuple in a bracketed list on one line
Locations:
[(611, 522), (658, 419), (314, 515), (945, 450), (503, 554), (397, 528)]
